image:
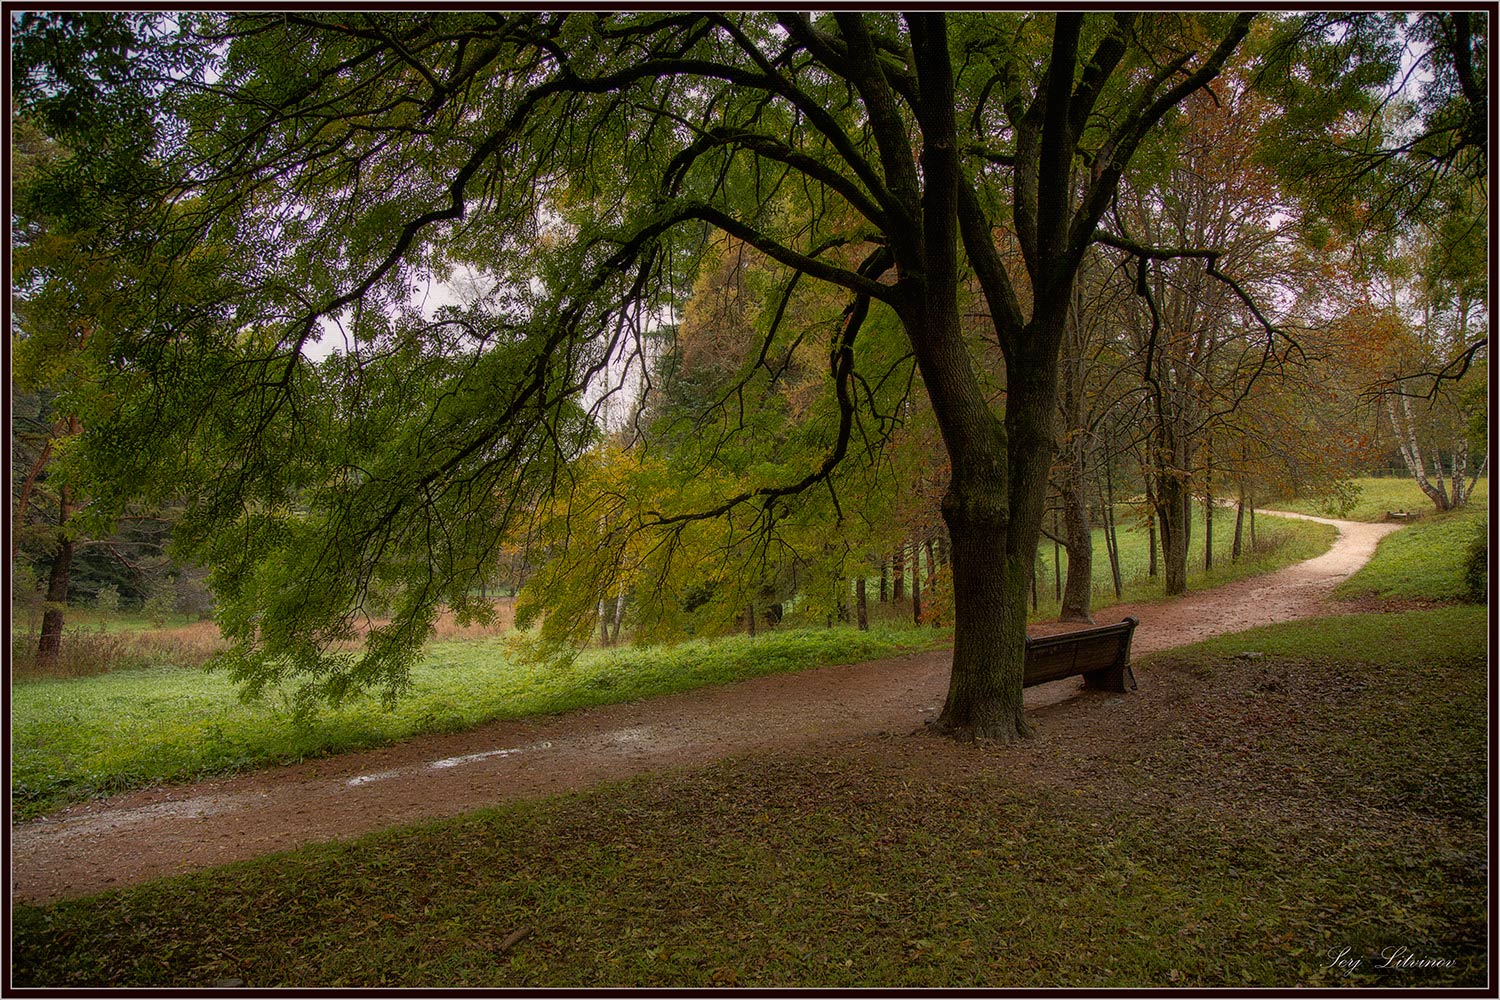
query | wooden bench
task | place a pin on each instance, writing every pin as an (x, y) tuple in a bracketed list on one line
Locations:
[(1101, 655)]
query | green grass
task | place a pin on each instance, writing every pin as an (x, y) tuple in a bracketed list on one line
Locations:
[(1238, 823), (1422, 561), (1375, 497), (78, 738)]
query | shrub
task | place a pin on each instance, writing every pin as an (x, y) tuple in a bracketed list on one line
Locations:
[(160, 606), (1476, 566), (107, 598)]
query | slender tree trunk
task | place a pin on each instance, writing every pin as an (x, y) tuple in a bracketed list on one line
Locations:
[(1171, 496), (1033, 584), (932, 563), (1252, 525), (916, 584), (1078, 594), (884, 582), (1460, 466), (1411, 451), (1208, 506), (1152, 569), (23, 501), (1239, 523), (1111, 534), (1056, 562), (898, 574), (862, 610), (50, 642), (614, 634)]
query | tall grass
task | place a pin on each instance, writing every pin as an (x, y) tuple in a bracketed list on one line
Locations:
[(99, 649)]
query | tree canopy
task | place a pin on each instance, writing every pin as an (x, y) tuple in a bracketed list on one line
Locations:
[(827, 195)]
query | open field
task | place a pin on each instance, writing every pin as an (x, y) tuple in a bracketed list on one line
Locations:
[(1377, 496), (1250, 823)]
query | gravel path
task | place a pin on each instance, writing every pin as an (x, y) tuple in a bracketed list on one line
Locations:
[(131, 838)]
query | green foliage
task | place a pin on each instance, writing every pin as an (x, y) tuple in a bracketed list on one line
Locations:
[(1399, 151), (1342, 776), (1476, 566), (79, 738), (159, 607), (598, 172), (107, 599)]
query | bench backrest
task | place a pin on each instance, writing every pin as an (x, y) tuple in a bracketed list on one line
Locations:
[(1084, 651)]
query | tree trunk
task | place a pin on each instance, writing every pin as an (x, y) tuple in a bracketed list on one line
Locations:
[(1208, 509), (1239, 524), (1111, 535), (1171, 508), (898, 574), (1152, 569), (1056, 563), (884, 582), (862, 610), (614, 634), (916, 584), (50, 642), (1033, 584), (23, 501), (1078, 594), (989, 599), (1411, 452)]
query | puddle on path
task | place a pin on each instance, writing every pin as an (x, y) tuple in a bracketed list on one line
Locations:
[(444, 764)]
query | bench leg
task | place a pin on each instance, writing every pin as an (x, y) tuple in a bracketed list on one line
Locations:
[(1111, 679)]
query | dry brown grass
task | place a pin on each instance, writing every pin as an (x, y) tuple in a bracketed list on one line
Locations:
[(88, 651)]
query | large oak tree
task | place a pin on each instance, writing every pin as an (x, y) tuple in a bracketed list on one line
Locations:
[(301, 172)]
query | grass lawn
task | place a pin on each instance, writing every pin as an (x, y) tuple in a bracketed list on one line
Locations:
[(1423, 561), (1246, 821), (82, 737), (1379, 496)]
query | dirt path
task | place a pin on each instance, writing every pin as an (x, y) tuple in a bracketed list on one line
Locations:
[(131, 838)]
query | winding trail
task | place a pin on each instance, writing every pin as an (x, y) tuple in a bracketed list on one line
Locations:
[(131, 838)]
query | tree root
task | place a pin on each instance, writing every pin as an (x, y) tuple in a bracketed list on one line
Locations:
[(1001, 731)]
